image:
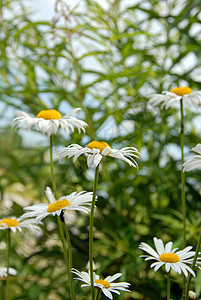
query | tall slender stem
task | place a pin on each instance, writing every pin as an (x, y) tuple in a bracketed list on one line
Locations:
[(52, 167), (70, 260), (168, 286), (61, 232), (8, 261), (183, 200), (98, 293), (91, 232), (193, 265), (62, 237)]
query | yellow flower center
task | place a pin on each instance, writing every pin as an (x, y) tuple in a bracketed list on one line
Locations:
[(180, 91), (52, 207), (9, 222), (169, 257), (49, 114), (98, 145), (103, 282)]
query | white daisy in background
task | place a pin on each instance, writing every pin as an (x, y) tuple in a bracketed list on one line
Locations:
[(95, 151), (165, 255), (195, 161), (106, 285), (48, 121), (11, 271), (95, 266), (74, 201), (192, 295), (170, 98), (17, 223)]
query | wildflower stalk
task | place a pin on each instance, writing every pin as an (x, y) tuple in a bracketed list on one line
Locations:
[(61, 231), (8, 261), (70, 259), (168, 286), (193, 266), (91, 232), (97, 295), (183, 200), (52, 167), (62, 237)]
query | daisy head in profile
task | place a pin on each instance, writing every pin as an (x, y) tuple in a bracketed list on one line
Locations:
[(95, 151), (170, 98), (72, 202), (15, 224), (107, 285), (49, 120), (170, 258), (195, 161)]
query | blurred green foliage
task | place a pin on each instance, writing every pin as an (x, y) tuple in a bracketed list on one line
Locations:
[(105, 60)]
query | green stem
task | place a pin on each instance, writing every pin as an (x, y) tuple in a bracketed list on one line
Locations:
[(98, 293), (91, 232), (52, 167), (70, 261), (61, 232), (8, 260), (183, 200), (2, 290), (168, 286), (62, 237), (193, 265)]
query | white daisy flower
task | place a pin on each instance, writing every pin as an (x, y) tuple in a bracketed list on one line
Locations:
[(95, 151), (192, 295), (106, 285), (17, 223), (11, 271), (74, 201), (165, 255), (195, 161), (169, 99), (95, 267), (48, 121)]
